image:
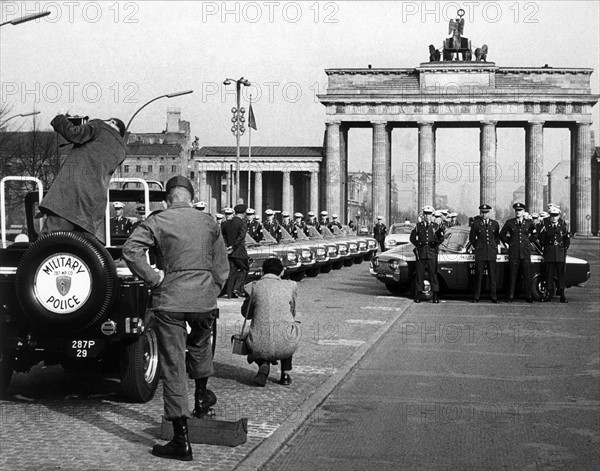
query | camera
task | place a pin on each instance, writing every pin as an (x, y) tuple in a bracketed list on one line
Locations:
[(78, 120)]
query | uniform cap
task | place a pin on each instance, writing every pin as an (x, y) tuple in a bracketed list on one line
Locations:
[(219, 216), (240, 208), (118, 205), (228, 211), (324, 213), (298, 215), (141, 209), (554, 210), (544, 214), (379, 217), (485, 208), (444, 212), (535, 215), (437, 214), (269, 212), (285, 214), (518, 206), (334, 216), (200, 205), (453, 215), (250, 211), (311, 213), (427, 209)]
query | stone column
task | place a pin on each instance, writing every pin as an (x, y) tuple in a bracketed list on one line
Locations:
[(581, 206), (381, 171), (343, 212), (286, 204), (314, 192), (258, 195), (488, 171), (332, 166), (201, 182), (534, 167), (426, 165)]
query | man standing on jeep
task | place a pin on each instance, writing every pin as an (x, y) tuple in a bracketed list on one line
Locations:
[(77, 199), (192, 267)]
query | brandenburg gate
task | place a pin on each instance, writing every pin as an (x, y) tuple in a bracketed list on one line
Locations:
[(455, 93)]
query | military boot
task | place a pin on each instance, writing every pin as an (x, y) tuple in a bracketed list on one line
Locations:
[(179, 448), (563, 298), (435, 298), (418, 297)]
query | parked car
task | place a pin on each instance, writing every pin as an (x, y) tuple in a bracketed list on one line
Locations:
[(456, 267), (399, 235), (258, 252)]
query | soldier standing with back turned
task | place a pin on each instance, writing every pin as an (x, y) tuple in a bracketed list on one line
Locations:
[(518, 233)]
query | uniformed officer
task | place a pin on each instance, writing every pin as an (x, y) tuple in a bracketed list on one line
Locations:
[(453, 221), (426, 237), (191, 268), (141, 216), (287, 222), (445, 221), (379, 233), (272, 225), (219, 218), (334, 222), (312, 221), (120, 225), (518, 233), (299, 225), (484, 237), (234, 233), (254, 226), (324, 218), (200, 205), (555, 239), (228, 214)]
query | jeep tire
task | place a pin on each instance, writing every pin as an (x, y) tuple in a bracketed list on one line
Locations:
[(66, 282), (139, 366)]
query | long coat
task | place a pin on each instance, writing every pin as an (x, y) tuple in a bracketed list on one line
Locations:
[(273, 334), (518, 237), (426, 237), (78, 193), (234, 233), (555, 241), (484, 238)]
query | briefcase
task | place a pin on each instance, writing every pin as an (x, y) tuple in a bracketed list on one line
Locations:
[(211, 431), (238, 342)]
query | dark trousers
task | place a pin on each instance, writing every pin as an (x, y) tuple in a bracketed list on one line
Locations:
[(431, 264), (479, 267), (381, 244), (525, 265), (557, 268), (286, 363), (173, 339), (238, 271)]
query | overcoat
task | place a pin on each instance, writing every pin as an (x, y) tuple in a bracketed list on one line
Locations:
[(234, 233), (555, 240), (518, 237), (426, 237), (484, 239), (78, 193)]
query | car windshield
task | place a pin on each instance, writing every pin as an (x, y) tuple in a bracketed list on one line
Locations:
[(312, 232), (285, 235), (402, 229), (326, 233), (455, 241), (268, 239)]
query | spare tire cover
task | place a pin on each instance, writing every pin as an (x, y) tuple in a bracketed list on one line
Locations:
[(66, 282)]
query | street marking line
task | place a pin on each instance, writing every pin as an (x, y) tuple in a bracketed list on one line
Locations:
[(342, 342), (313, 370), (364, 321)]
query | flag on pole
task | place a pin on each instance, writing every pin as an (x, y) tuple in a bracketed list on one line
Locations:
[(251, 119)]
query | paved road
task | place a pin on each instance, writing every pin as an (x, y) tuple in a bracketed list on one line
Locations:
[(57, 420), (459, 386)]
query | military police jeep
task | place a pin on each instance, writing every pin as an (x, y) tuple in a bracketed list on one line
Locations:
[(67, 299)]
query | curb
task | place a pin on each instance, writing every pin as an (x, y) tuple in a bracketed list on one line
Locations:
[(264, 451)]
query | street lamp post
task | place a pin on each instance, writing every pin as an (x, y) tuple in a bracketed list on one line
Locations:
[(238, 128), (168, 95), (24, 19)]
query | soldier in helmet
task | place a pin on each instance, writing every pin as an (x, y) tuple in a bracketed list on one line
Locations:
[(484, 237), (426, 237), (555, 239)]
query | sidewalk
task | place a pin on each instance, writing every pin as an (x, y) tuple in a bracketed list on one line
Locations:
[(56, 420)]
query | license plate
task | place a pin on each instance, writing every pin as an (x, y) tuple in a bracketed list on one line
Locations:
[(84, 348)]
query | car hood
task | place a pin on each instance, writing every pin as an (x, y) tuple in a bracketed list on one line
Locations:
[(400, 252)]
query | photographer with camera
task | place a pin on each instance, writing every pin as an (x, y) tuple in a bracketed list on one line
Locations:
[(77, 199)]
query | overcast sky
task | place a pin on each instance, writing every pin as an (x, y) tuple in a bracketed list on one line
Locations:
[(108, 58)]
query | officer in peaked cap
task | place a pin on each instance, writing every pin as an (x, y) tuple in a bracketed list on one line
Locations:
[(228, 213), (119, 224), (324, 218), (287, 222), (219, 218), (334, 222), (312, 221), (426, 236), (255, 228), (299, 225), (555, 239), (234, 233), (484, 237), (379, 233), (453, 222), (272, 225), (518, 233)]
